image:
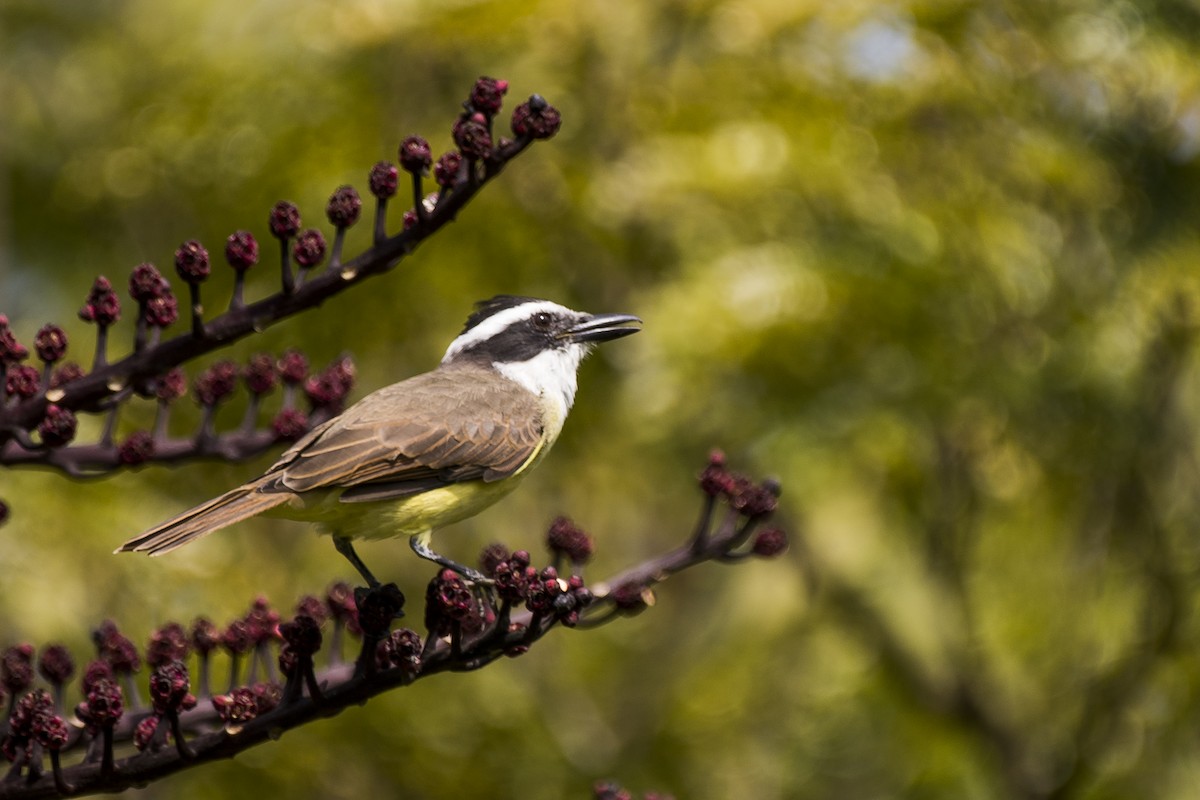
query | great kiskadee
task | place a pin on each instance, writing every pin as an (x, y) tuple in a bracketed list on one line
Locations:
[(428, 451)]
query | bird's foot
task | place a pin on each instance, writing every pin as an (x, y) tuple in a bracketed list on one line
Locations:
[(420, 546)]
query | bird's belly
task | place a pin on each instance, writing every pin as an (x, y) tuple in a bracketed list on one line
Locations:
[(407, 516)]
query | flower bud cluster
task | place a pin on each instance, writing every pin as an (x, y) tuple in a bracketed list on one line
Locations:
[(402, 648), (755, 501), (328, 389), (50, 342), (11, 351), (33, 720), (102, 306), (568, 539), (344, 207), (542, 592)]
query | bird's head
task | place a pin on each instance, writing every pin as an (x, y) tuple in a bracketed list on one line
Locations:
[(537, 343)]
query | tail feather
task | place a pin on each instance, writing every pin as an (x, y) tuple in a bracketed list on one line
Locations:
[(221, 512)]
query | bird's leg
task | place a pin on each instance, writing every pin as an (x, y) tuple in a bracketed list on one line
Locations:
[(344, 547), (420, 546)]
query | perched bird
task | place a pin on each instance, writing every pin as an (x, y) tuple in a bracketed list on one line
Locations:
[(431, 450)]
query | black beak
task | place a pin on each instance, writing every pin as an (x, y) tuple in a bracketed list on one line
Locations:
[(603, 327)]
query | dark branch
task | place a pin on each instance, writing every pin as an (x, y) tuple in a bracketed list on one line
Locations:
[(469, 628)]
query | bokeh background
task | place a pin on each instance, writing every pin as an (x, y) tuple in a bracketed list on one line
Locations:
[(931, 264)]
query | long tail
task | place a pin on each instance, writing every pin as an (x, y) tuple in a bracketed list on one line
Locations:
[(233, 506)]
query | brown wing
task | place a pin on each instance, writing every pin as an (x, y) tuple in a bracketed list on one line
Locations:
[(428, 431)]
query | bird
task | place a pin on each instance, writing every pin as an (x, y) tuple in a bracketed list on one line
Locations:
[(429, 451)]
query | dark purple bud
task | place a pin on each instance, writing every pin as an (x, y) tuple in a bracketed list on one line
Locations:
[(328, 390), (236, 638), (290, 424), (143, 734), (65, 374), (310, 606), (260, 375), (472, 136), (344, 207), (146, 283), (543, 591), (137, 448), (415, 155), (409, 219), (262, 621), (339, 599), (95, 672), (116, 648), (216, 383), (342, 371), (204, 636), (384, 179), (241, 250), (104, 705), (50, 343), (309, 249), (284, 220), (448, 600), (716, 480), (488, 95), (770, 543), (512, 581), (29, 714), (267, 696), (632, 597), (401, 649), (169, 686), (536, 119), (569, 606), (11, 351), (378, 608), (445, 172), (103, 307), (755, 501), (57, 427), (168, 643), (761, 500), (238, 707), (302, 635), (162, 311), (16, 668), (3, 512), (293, 367), (570, 540), (171, 386), (191, 262), (492, 556), (53, 733), (22, 381)]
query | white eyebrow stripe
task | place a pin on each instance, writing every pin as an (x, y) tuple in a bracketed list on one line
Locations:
[(496, 323)]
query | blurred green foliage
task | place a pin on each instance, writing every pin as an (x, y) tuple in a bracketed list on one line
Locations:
[(930, 263)]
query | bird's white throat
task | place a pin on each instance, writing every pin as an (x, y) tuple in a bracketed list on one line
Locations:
[(551, 375)]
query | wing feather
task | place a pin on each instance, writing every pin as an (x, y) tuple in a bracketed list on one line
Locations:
[(416, 435)]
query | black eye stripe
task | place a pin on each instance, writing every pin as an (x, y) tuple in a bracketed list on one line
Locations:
[(520, 341)]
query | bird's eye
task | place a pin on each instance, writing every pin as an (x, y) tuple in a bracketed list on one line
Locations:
[(542, 321)]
